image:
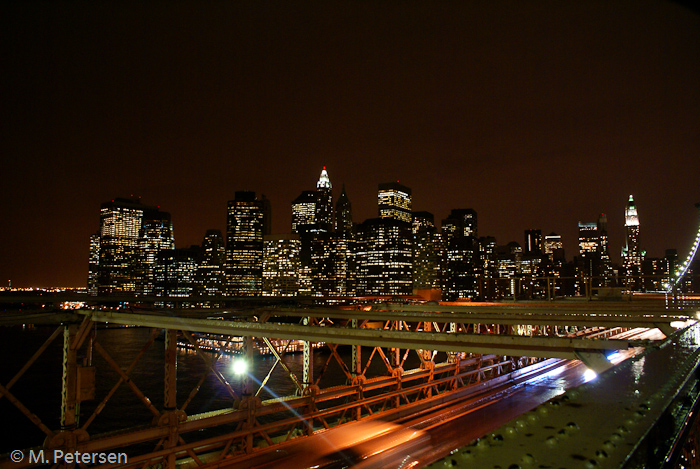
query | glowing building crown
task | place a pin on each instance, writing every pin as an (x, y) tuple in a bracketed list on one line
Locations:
[(324, 182)]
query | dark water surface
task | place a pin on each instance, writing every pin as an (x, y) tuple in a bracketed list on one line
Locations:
[(39, 389)]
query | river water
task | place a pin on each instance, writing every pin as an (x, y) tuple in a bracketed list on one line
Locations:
[(39, 389)]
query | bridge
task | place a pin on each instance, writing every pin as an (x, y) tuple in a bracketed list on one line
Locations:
[(460, 353), (380, 384)]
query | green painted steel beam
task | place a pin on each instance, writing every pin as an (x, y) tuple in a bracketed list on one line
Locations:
[(546, 347)]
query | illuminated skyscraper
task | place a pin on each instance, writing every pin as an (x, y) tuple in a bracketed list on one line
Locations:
[(156, 236), (174, 272), (533, 242), (554, 247), (461, 222), (130, 235), (211, 277), (245, 229), (304, 212), (463, 269), (394, 201), (281, 265), (606, 269), (343, 215), (384, 257), (631, 255), (332, 266), (93, 264), (425, 260), (324, 202)]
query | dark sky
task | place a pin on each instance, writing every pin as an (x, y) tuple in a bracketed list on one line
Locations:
[(536, 114)]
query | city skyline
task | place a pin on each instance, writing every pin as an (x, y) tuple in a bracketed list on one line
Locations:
[(537, 116)]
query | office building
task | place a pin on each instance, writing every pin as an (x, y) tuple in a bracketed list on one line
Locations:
[(211, 276), (174, 273), (425, 268), (533, 242), (461, 222), (632, 256), (384, 257), (281, 265), (130, 236), (156, 236), (245, 228), (553, 247), (324, 202), (394, 201), (343, 215), (304, 212)]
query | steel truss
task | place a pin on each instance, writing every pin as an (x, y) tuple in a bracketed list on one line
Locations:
[(475, 353)]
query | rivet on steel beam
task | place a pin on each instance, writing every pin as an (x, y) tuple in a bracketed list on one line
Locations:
[(591, 463), (466, 455), (601, 454), (532, 417), (511, 431), (609, 445), (482, 445), (551, 441), (528, 459)]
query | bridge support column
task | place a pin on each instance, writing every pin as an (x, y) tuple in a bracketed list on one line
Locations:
[(170, 393), (70, 375), (356, 368), (308, 377)]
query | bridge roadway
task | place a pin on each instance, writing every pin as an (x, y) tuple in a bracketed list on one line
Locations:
[(483, 346)]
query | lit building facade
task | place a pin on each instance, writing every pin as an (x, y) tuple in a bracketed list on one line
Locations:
[(332, 265), (463, 270), (461, 222), (425, 261), (384, 257), (343, 215), (533, 242), (281, 265), (553, 247), (156, 236), (174, 272), (211, 276), (632, 256), (93, 264), (394, 201), (130, 236), (245, 228), (304, 212), (324, 202)]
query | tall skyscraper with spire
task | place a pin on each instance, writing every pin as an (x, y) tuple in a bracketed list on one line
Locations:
[(632, 256), (343, 214), (324, 202)]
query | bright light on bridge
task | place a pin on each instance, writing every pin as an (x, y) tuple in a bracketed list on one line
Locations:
[(239, 366)]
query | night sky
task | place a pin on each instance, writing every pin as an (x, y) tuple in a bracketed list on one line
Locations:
[(536, 114)]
